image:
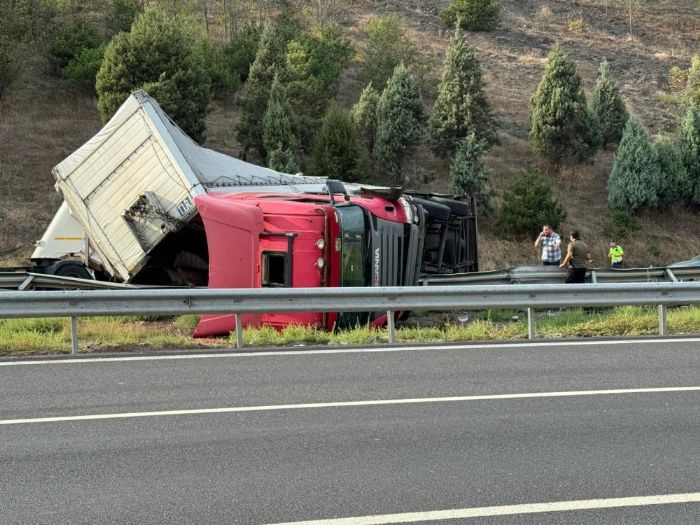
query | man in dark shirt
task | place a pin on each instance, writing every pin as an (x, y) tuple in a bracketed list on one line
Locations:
[(577, 255)]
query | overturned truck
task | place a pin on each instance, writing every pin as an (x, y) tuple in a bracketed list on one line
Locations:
[(145, 204)]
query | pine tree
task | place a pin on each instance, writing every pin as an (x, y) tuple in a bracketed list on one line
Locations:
[(468, 172), (364, 115), (278, 122), (635, 179), (399, 118), (673, 184), (158, 57), (561, 126), (691, 93), (256, 91), (461, 106), (689, 148), (608, 107), (337, 153), (387, 46), (527, 205)]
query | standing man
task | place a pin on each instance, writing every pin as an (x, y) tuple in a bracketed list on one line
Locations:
[(577, 255), (615, 253), (550, 242)]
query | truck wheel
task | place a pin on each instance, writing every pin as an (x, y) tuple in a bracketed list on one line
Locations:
[(69, 269), (435, 210), (459, 208)]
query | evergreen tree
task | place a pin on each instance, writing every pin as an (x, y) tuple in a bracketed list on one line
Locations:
[(256, 91), (561, 127), (387, 46), (474, 15), (469, 174), (608, 107), (673, 184), (278, 122), (283, 159), (635, 179), (527, 205), (461, 106), (157, 56), (399, 118), (364, 115), (337, 153), (691, 93), (689, 148)]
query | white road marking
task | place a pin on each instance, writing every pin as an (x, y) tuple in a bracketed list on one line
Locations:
[(310, 352), (508, 510), (340, 404)]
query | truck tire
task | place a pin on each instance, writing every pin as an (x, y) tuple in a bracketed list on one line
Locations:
[(69, 269), (435, 210), (459, 208)]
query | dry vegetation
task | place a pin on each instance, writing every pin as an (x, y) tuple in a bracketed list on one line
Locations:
[(43, 119)]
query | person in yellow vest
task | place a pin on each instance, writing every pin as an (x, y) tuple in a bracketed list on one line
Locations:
[(615, 253)]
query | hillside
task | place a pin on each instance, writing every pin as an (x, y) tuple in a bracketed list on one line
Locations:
[(43, 119)]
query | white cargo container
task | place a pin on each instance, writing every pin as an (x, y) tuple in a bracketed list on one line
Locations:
[(133, 184)]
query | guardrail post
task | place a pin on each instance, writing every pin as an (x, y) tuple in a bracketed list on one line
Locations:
[(530, 323), (239, 331), (390, 326), (663, 325), (73, 335)]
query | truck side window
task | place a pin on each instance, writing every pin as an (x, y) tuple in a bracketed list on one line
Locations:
[(274, 266)]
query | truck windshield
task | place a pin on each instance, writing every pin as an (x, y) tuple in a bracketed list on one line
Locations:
[(354, 242)]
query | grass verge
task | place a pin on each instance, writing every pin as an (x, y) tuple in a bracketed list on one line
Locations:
[(19, 336)]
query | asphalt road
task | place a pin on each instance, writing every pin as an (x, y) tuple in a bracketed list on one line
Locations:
[(427, 434)]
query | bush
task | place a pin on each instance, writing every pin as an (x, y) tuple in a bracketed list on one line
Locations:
[(527, 205), (8, 69), (337, 153), (622, 224), (71, 40), (82, 69), (689, 148), (673, 184), (635, 179), (608, 107), (474, 15), (561, 127), (387, 46), (121, 14), (174, 75), (240, 53)]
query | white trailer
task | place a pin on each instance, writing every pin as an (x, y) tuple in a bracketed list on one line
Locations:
[(133, 184)]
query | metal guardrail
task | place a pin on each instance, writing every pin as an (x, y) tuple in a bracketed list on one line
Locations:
[(28, 280), (553, 275), (75, 304)]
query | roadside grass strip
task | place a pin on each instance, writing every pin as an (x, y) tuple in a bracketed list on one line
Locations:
[(347, 404), (508, 510), (52, 335)]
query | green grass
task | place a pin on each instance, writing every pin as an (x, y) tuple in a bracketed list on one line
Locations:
[(52, 335)]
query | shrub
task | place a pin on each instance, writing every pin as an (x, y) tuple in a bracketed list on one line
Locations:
[(387, 46), (71, 40), (82, 69), (173, 75), (622, 224), (608, 107), (399, 121), (635, 178), (691, 93), (121, 14), (283, 159), (527, 205), (474, 15), (561, 127), (364, 115), (337, 153), (461, 106), (468, 172), (673, 182), (689, 148), (239, 54)]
